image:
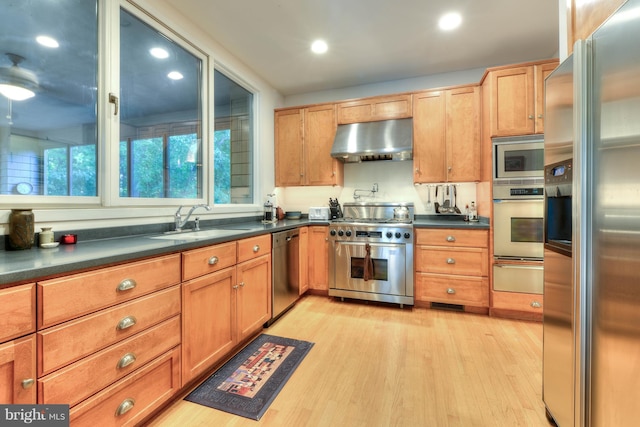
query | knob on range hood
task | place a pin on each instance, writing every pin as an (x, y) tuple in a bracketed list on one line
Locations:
[(382, 140)]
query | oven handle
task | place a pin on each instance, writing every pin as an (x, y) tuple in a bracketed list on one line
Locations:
[(529, 200), (524, 267)]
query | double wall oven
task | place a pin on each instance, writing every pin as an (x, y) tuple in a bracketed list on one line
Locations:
[(371, 253), (518, 212)]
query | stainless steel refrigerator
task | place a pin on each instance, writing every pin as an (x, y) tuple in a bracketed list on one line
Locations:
[(591, 342)]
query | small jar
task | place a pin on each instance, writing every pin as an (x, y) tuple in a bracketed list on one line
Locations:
[(21, 229), (46, 236)]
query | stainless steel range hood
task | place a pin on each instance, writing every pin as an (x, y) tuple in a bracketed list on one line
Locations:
[(382, 140)]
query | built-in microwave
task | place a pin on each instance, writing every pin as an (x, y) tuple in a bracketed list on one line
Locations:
[(518, 157)]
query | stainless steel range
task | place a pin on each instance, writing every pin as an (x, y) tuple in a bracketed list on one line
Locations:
[(371, 252)]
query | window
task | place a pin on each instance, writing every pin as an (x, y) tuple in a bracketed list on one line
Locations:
[(233, 142), (166, 140), (49, 141), (160, 114)]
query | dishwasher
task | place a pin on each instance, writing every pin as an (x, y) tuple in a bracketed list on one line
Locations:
[(285, 269)]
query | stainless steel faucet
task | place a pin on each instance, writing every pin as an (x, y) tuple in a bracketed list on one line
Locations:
[(178, 217)]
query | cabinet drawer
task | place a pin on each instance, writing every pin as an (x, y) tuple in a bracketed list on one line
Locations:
[(532, 303), (66, 343), (133, 398), (254, 247), (73, 296), (17, 311), (452, 237), (452, 289), (80, 380), (199, 262), (460, 261)]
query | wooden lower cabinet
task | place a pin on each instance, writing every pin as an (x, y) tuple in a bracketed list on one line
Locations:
[(208, 333), (452, 267), (253, 297), (517, 305), (223, 308), (303, 256), (132, 399), (319, 257), (80, 380), (18, 371)]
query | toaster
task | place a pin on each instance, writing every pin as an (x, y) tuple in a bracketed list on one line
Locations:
[(319, 213)]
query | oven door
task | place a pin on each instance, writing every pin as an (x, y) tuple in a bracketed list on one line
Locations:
[(389, 271), (518, 229)]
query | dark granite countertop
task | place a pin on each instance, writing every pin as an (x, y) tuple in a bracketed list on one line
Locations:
[(24, 266)]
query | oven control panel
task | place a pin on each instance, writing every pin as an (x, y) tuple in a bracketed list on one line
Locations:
[(371, 234)]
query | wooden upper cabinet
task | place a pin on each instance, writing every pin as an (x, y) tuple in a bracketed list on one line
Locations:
[(429, 137), (512, 101), (446, 135), (463, 134), (586, 16), (288, 147), (540, 73), (303, 140), (516, 101), (374, 109), (319, 132)]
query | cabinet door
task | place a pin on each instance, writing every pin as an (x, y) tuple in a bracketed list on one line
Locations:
[(372, 109), (253, 295), (541, 72), (18, 371), (319, 258), (288, 147), (512, 101), (429, 138), (319, 133), (208, 333), (303, 256), (463, 134), (17, 311)]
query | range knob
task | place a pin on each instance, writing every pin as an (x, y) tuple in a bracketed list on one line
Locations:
[(389, 234), (332, 232), (398, 235), (407, 235), (340, 233), (348, 233)]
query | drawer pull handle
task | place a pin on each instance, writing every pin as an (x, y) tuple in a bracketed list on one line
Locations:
[(256, 248), (451, 261), (235, 286), (125, 407), (27, 383), (126, 284), (125, 323), (536, 304), (451, 239), (451, 291), (126, 360), (242, 284), (213, 260)]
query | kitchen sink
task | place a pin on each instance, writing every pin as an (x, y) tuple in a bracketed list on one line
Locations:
[(195, 235)]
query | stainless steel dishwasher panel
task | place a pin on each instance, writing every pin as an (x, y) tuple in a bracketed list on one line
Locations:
[(285, 271)]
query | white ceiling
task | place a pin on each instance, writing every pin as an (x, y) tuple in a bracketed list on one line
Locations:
[(372, 41)]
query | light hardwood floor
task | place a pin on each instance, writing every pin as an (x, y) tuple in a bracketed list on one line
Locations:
[(375, 365)]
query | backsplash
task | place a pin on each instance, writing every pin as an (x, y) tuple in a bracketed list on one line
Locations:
[(395, 184)]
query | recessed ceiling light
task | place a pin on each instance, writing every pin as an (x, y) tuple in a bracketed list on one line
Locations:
[(47, 41), (175, 75), (319, 46), (159, 52), (449, 21)]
